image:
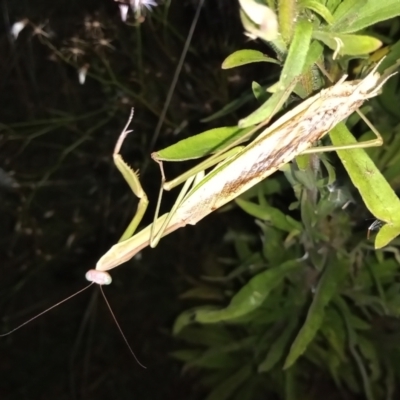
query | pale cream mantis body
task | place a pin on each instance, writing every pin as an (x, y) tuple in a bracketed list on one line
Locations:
[(291, 135), (243, 167)]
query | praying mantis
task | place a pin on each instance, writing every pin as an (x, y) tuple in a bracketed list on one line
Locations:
[(233, 171), (238, 168)]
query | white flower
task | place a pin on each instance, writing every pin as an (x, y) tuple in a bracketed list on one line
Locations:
[(18, 27), (82, 73), (137, 5), (123, 10), (262, 16)]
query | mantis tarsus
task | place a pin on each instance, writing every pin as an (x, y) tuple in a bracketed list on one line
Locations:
[(239, 168)]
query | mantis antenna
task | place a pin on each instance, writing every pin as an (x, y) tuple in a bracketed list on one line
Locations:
[(46, 310), (100, 278)]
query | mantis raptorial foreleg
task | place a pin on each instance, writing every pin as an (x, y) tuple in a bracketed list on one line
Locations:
[(132, 178)]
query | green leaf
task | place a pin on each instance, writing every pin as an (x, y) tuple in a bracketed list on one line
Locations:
[(249, 298), (187, 318), (202, 144), (206, 335), (219, 357), (314, 54), (334, 331), (391, 61), (364, 14), (287, 19), (318, 8), (243, 57), (327, 288), (272, 245), (369, 352), (297, 54), (277, 349), (267, 213), (353, 341), (348, 44), (310, 79), (268, 109), (260, 92), (225, 389), (346, 14), (386, 234), (375, 191)]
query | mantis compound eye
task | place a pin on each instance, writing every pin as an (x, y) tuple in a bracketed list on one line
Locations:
[(99, 277)]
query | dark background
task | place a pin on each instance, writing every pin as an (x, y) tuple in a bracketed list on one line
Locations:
[(63, 204)]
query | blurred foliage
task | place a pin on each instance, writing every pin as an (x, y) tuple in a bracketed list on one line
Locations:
[(297, 305)]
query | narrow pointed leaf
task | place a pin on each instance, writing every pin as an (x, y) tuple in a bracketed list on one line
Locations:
[(243, 57), (202, 144), (327, 288), (378, 196)]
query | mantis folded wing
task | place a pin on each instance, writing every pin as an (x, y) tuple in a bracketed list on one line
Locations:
[(291, 135)]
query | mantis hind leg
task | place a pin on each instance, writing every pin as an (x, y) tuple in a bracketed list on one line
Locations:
[(378, 141), (156, 236)]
